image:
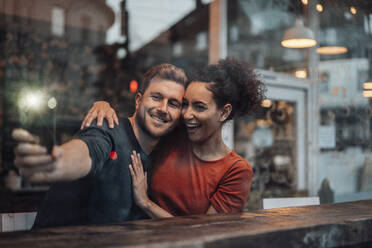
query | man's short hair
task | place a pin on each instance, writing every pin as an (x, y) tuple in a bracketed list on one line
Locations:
[(166, 72)]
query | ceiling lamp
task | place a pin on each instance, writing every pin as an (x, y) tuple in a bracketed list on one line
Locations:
[(319, 7), (367, 89), (367, 85), (298, 36), (331, 50)]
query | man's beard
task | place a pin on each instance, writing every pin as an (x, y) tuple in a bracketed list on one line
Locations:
[(140, 119)]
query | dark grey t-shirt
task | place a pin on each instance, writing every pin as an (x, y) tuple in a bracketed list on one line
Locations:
[(105, 194)]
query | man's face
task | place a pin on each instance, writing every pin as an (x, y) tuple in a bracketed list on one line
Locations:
[(159, 108)]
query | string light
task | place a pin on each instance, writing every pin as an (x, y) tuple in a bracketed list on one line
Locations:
[(301, 74), (304, 2), (319, 7), (353, 10), (266, 103)]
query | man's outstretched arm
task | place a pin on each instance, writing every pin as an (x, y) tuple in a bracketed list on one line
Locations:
[(67, 162)]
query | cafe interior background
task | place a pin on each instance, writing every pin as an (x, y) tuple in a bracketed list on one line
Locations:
[(312, 136)]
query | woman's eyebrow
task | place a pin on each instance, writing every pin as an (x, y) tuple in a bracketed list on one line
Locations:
[(199, 102)]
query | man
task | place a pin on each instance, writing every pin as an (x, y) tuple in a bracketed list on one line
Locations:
[(93, 179)]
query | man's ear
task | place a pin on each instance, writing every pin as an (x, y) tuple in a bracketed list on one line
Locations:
[(138, 99), (225, 112)]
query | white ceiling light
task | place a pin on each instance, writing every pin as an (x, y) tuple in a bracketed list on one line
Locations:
[(298, 36)]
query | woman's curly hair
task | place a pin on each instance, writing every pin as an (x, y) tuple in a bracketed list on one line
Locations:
[(235, 82)]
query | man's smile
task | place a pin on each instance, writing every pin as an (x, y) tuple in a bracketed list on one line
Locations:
[(159, 119)]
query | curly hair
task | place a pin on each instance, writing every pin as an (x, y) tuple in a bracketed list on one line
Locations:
[(235, 82)]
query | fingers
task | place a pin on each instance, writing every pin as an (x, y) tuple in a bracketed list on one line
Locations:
[(84, 122), (111, 118), (100, 115), (30, 171), (32, 161), (35, 164), (21, 135), (89, 118), (29, 149), (29, 166), (116, 119), (42, 177), (132, 171), (137, 164), (136, 168)]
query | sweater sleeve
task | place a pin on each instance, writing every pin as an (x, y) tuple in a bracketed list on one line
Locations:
[(232, 193), (100, 142)]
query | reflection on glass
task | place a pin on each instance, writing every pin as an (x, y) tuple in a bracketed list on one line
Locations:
[(338, 69), (81, 51), (268, 141)]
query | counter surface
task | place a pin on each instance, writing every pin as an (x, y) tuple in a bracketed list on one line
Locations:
[(328, 225)]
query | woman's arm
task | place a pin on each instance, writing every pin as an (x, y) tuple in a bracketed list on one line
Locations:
[(139, 185), (100, 110), (232, 193)]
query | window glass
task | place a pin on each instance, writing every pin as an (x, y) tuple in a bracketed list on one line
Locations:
[(75, 52), (337, 128)]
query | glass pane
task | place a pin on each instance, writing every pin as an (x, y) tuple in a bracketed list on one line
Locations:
[(268, 141), (72, 53), (337, 71)]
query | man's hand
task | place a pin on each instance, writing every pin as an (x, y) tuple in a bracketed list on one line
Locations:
[(100, 110), (33, 160)]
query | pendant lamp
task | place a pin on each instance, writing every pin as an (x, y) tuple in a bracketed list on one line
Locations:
[(298, 36)]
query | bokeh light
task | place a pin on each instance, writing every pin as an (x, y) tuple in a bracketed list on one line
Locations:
[(52, 103), (133, 86), (31, 99)]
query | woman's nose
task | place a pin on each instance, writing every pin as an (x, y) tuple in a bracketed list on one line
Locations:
[(187, 113)]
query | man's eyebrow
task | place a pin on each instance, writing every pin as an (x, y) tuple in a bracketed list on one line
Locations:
[(174, 99)]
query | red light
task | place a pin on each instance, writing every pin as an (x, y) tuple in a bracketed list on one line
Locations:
[(133, 86)]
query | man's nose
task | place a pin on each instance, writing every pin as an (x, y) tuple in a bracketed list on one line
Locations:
[(163, 106)]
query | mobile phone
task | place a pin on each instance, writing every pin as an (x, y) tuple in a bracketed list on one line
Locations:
[(49, 139)]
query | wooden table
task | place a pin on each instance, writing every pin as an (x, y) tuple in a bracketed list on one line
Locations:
[(329, 225)]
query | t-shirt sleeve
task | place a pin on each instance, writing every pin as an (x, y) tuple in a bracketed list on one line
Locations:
[(232, 194), (100, 142)]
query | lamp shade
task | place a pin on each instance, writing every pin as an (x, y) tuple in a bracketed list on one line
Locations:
[(331, 50), (367, 92), (298, 36)]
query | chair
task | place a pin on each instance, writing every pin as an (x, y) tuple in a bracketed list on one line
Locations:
[(268, 203)]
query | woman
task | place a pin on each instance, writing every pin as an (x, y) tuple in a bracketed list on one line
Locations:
[(194, 171)]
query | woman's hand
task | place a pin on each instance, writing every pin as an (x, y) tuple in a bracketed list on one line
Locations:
[(100, 110), (139, 181)]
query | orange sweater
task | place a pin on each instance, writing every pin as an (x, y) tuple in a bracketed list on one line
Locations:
[(183, 184)]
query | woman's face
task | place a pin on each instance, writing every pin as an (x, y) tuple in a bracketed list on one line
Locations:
[(201, 116)]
